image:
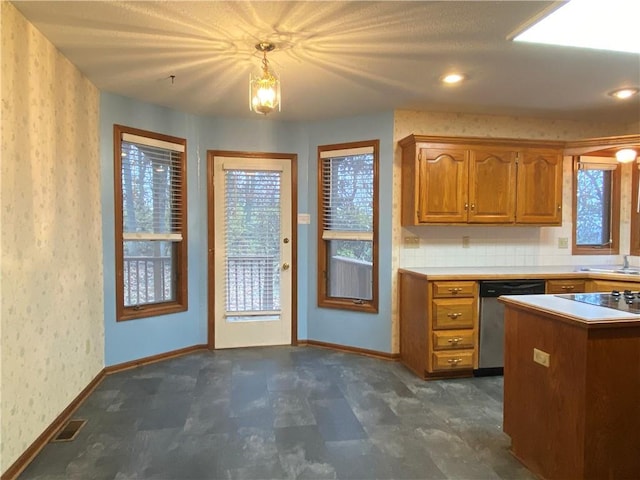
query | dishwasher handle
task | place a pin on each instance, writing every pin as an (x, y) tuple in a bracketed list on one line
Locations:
[(497, 288)]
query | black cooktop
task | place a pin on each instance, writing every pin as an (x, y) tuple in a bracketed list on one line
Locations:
[(626, 301)]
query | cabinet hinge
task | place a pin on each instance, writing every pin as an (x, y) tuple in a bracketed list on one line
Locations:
[(517, 158), (420, 156)]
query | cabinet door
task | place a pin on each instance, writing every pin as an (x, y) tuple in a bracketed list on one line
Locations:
[(443, 185), (492, 185), (539, 189)]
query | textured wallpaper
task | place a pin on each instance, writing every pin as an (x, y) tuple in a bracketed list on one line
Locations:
[(51, 261), (494, 246)]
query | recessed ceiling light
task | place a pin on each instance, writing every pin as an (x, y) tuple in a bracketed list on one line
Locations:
[(610, 25), (623, 93), (452, 78)]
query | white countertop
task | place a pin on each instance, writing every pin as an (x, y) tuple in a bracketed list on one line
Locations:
[(539, 271), (523, 270), (578, 311)]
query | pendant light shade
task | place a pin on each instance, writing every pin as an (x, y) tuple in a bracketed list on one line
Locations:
[(264, 86)]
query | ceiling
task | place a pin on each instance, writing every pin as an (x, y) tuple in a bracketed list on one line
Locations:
[(336, 59)]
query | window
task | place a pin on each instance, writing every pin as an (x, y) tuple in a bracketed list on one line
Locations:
[(596, 211), (348, 226), (151, 223)]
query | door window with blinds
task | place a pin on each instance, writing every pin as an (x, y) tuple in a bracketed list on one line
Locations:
[(151, 223), (596, 205), (348, 226), (252, 244)]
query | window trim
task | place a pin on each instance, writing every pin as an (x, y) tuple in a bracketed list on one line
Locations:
[(180, 304), (634, 245), (614, 247), (324, 301)]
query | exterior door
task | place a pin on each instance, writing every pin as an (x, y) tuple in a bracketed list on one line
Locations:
[(253, 274)]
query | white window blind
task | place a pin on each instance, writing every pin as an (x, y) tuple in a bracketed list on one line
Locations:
[(347, 194), (151, 189), (597, 163), (151, 222), (252, 242), (347, 207)]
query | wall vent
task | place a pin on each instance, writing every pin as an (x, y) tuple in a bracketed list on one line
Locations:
[(69, 431)]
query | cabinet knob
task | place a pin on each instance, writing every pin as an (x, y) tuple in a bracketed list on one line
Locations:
[(559, 207), (466, 206), (473, 206)]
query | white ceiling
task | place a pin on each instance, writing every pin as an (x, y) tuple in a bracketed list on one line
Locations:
[(336, 59)]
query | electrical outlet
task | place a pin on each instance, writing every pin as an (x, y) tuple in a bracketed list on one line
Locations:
[(563, 242), (541, 357), (412, 242), (466, 241)]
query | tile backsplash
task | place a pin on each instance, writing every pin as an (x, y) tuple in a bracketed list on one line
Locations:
[(442, 246)]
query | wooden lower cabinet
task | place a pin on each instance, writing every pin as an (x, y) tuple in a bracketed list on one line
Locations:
[(578, 417), (438, 326)]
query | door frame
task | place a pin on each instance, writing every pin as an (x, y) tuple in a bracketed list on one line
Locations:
[(293, 159)]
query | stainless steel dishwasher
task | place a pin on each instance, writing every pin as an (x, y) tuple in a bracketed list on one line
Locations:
[(491, 349)]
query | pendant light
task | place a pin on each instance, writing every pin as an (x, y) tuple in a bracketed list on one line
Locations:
[(264, 86)]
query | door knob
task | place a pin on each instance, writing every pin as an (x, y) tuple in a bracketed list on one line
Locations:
[(285, 266)]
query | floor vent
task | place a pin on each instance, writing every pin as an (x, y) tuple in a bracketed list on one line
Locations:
[(69, 431)]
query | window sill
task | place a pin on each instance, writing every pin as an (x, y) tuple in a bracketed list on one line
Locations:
[(146, 311)]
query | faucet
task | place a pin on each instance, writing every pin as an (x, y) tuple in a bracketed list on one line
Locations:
[(625, 261)]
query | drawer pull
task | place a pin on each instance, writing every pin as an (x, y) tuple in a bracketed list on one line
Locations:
[(454, 340), (454, 361), (454, 315), (568, 287), (455, 290)]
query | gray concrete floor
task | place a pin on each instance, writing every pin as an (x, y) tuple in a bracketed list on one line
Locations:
[(284, 413)]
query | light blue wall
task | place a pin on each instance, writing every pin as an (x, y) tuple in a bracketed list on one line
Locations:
[(363, 330), (130, 340), (134, 339)]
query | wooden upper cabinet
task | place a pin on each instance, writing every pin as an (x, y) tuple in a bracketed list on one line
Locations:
[(539, 187), (454, 180), (442, 190), (492, 186)]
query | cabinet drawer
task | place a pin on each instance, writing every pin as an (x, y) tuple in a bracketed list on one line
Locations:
[(454, 289), (450, 339), (566, 286), (451, 313), (459, 360), (608, 285)]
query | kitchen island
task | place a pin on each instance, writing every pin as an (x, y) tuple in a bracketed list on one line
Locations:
[(572, 388)]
